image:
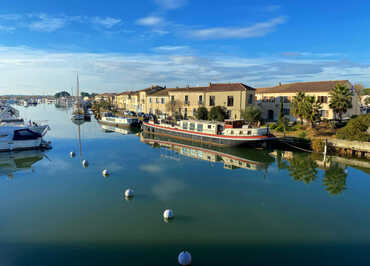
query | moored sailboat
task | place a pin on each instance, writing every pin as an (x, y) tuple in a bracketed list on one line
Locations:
[(78, 113)]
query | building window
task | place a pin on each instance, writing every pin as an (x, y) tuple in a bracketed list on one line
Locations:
[(230, 100), (324, 113), (250, 99), (192, 126), (194, 111), (185, 125), (211, 100), (286, 111), (150, 99), (156, 100), (200, 99), (180, 111), (322, 99), (186, 112), (172, 98), (186, 99), (200, 127), (162, 100)]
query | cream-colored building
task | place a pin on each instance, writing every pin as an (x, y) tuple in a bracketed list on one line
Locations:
[(235, 97), (108, 97), (268, 99)]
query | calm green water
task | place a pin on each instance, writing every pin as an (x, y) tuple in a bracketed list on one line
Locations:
[(276, 209)]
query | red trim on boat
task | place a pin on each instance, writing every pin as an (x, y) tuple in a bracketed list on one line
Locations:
[(209, 135)]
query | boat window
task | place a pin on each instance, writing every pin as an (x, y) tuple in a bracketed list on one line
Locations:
[(209, 126), (249, 132), (192, 126), (200, 127), (232, 132), (185, 125), (241, 132)]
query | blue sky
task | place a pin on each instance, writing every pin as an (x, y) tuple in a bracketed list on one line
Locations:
[(125, 45)]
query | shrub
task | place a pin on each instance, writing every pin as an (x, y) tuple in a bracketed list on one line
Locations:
[(273, 125), (302, 134), (202, 113), (318, 145), (252, 114), (356, 129), (217, 113)]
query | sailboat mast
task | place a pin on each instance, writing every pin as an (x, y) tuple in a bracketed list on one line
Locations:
[(78, 94)]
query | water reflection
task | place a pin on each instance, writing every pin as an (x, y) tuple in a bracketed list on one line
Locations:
[(123, 131), (303, 167), (335, 178), (232, 158), (17, 161)]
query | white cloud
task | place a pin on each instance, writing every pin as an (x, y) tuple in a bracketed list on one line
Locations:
[(6, 28), (107, 22), (150, 21), (168, 48), (50, 23), (170, 4), (10, 17), (256, 30), (271, 8), (48, 72), (47, 23)]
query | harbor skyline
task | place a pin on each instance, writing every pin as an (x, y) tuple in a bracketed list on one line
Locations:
[(117, 47)]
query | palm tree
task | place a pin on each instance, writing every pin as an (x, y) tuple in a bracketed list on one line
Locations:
[(297, 106), (340, 100), (311, 110)]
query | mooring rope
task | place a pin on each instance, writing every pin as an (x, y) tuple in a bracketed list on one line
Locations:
[(296, 146)]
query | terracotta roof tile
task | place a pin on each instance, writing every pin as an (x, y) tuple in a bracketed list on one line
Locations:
[(315, 86), (214, 88)]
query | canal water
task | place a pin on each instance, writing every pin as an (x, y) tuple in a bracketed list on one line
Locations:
[(232, 206)]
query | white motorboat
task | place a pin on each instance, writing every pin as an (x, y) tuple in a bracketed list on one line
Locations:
[(19, 138), (9, 116)]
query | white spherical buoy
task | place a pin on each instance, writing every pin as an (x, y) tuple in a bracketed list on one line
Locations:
[(105, 173), (129, 193), (72, 154), (85, 163), (184, 258), (168, 214)]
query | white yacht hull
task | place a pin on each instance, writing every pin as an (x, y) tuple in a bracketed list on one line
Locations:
[(14, 145)]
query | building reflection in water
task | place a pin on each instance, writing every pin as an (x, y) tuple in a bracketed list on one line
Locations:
[(18, 161), (303, 167), (232, 158)]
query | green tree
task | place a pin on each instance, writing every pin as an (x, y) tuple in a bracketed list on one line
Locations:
[(311, 110), (335, 179), (62, 94), (217, 113), (298, 106), (202, 113), (281, 111), (252, 114), (340, 100)]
